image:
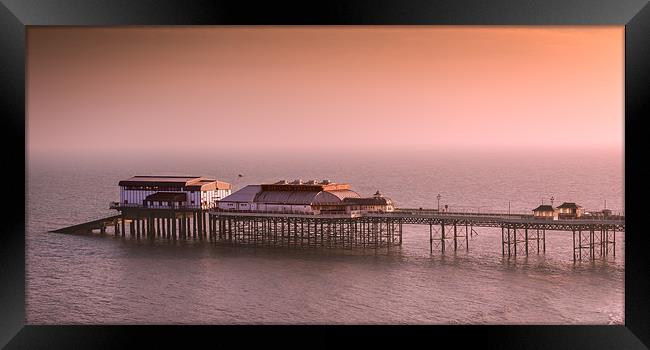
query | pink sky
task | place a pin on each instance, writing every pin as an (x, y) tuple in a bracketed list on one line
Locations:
[(324, 88)]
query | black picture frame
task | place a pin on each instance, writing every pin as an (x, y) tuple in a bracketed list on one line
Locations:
[(17, 15)]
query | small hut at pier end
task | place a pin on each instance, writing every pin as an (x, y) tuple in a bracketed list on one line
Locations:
[(569, 210), (545, 211)]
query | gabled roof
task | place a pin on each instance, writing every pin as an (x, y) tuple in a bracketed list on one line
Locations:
[(544, 207), (190, 182), (167, 197), (246, 194), (569, 205)]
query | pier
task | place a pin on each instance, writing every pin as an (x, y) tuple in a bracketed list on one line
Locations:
[(521, 234), (325, 214)]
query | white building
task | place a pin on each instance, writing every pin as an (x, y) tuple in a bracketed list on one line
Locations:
[(299, 197), (296, 197), (172, 192)]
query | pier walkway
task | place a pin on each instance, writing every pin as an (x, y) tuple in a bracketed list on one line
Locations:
[(593, 237)]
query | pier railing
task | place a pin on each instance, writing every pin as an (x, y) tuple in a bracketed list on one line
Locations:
[(118, 205), (352, 213)]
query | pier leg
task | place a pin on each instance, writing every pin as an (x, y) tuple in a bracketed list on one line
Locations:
[(211, 225), (163, 226), (526, 238), (503, 241), (442, 236), (123, 226), (544, 240), (514, 235), (592, 255), (400, 232), (455, 238), (194, 217), (204, 218), (431, 237), (580, 244), (508, 241), (574, 244)]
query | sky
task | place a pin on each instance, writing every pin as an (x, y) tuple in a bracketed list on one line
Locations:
[(134, 90)]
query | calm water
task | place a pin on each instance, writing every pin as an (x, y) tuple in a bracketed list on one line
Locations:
[(91, 279)]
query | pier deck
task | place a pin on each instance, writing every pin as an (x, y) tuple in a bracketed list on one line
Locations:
[(521, 233)]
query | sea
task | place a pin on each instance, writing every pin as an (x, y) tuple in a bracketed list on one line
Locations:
[(103, 279)]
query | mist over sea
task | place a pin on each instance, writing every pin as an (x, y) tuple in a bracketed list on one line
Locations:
[(90, 279)]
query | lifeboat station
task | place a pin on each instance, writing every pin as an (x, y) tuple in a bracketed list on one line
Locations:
[(166, 205)]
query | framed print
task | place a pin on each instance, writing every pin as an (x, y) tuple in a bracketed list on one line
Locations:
[(460, 170)]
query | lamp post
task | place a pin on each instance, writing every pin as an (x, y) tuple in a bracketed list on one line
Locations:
[(438, 197), (552, 199)]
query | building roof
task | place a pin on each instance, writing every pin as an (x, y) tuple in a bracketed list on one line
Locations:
[(208, 185), (304, 197), (246, 194), (167, 197), (259, 194), (369, 201), (569, 205), (544, 207), (190, 182), (299, 185)]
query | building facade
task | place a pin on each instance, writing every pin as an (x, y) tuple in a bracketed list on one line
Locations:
[(168, 192), (570, 210), (375, 204), (545, 211), (299, 197)]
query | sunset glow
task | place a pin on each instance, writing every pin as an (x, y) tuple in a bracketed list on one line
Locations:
[(324, 88)]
